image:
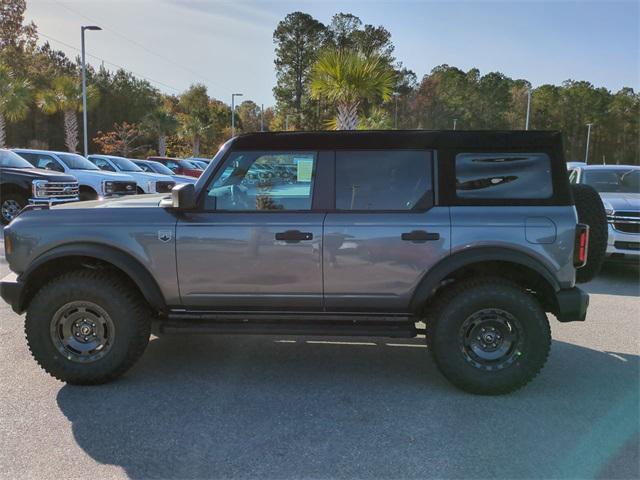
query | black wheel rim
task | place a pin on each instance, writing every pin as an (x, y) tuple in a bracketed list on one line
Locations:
[(82, 331), (491, 339), (10, 208)]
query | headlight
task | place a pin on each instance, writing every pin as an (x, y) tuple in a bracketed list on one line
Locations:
[(107, 187), (39, 188)]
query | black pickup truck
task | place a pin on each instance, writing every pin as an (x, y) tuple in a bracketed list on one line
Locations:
[(21, 184)]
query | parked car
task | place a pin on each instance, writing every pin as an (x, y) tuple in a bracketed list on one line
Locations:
[(153, 166), (473, 233), (619, 187), (179, 166), (21, 185), (95, 184), (147, 182)]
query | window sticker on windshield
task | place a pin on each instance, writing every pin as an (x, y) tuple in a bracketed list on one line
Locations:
[(304, 170)]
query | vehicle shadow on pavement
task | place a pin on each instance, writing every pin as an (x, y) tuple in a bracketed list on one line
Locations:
[(256, 407), (615, 279)]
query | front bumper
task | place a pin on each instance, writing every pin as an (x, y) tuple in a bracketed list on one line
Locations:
[(623, 247), (12, 291), (572, 305)]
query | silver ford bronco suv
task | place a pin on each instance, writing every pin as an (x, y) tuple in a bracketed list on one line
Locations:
[(466, 238)]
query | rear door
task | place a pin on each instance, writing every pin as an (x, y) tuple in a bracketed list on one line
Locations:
[(385, 232), (255, 242)]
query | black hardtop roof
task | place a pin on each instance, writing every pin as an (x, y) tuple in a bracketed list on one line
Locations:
[(378, 139)]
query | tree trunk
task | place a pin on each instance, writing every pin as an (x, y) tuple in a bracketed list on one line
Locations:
[(196, 145), (162, 145), (3, 133), (71, 130), (347, 118)]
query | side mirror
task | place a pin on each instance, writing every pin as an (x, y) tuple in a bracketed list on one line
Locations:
[(183, 196)]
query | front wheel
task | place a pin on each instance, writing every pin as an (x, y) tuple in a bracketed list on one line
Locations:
[(488, 336), (10, 206), (87, 327)]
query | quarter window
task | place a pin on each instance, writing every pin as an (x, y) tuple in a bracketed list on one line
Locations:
[(263, 181), (397, 180), (503, 176)]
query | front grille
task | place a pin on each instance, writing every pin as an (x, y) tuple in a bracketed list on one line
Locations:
[(124, 188), (164, 186), (57, 190), (627, 245), (625, 221)]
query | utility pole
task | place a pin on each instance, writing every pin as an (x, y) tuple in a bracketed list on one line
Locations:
[(395, 118), (262, 117), (526, 124), (586, 152), (84, 88), (455, 123), (233, 112)]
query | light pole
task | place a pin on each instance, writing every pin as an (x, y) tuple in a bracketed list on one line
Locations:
[(526, 123), (84, 88), (395, 118), (262, 117), (286, 121), (586, 152), (455, 123), (233, 112)]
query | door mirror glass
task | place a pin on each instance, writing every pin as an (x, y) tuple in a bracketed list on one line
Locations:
[(183, 196)]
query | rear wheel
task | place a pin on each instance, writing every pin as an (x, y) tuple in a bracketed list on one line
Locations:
[(489, 337), (591, 212), (87, 327), (10, 206)]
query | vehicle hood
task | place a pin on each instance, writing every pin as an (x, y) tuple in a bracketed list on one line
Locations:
[(37, 173), (102, 175), (621, 201), (130, 201)]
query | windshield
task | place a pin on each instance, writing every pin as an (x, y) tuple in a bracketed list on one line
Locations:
[(76, 162), (613, 180), (13, 160), (190, 164), (160, 168), (125, 165)]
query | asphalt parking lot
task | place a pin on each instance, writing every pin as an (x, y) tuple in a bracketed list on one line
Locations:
[(265, 407)]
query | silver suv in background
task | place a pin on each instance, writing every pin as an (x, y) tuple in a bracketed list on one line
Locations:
[(619, 188), (474, 234), (95, 184)]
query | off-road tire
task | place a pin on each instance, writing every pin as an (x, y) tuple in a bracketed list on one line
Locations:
[(113, 293), (18, 198), (458, 303), (591, 212)]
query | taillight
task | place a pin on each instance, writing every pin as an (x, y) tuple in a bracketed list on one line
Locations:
[(581, 246)]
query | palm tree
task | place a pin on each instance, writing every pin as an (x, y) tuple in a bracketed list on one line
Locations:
[(15, 97), (193, 128), (348, 77), (160, 124), (65, 95)]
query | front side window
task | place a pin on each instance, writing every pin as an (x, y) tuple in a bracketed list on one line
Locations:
[(398, 180), (40, 160), (498, 176), (102, 164), (173, 166), (263, 181)]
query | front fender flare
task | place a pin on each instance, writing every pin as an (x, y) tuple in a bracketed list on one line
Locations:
[(118, 258)]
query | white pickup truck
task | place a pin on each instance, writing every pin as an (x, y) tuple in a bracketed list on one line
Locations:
[(95, 184), (147, 182)]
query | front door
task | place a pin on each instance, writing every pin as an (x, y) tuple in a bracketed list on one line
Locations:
[(385, 233), (255, 242)]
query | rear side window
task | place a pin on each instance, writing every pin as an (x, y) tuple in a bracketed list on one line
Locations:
[(503, 176), (394, 180)]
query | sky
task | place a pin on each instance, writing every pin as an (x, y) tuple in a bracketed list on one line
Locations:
[(228, 45)]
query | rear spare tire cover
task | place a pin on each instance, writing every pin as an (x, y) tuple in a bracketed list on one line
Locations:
[(591, 212)]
